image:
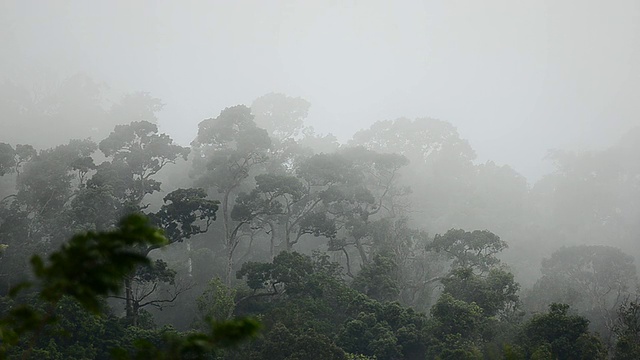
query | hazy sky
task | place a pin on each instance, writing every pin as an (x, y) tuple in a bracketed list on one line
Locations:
[(515, 77)]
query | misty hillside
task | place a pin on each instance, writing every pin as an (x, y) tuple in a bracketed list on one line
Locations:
[(355, 180)]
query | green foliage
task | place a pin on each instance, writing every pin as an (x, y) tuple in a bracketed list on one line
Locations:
[(299, 292), (12, 159), (226, 149), (353, 200), (138, 152), (182, 209), (495, 293), (228, 146), (360, 357), (457, 317), (593, 279), (627, 330), (88, 267), (170, 345), (141, 147), (7, 159), (597, 274), (476, 249), (75, 280), (44, 187), (291, 269), (564, 336), (217, 302), (93, 264), (378, 279), (282, 343), (251, 206)]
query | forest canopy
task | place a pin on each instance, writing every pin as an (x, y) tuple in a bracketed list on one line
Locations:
[(397, 244)]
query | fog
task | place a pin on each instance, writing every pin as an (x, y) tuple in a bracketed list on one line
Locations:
[(516, 79), (348, 180)]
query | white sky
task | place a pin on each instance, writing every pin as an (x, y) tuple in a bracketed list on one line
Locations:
[(515, 77)]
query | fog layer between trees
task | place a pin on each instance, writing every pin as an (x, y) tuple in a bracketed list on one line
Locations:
[(322, 239)]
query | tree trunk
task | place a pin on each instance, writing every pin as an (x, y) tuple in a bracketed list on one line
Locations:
[(128, 295), (225, 219), (227, 235), (134, 315), (229, 264), (363, 254), (189, 262), (272, 245), (287, 237)]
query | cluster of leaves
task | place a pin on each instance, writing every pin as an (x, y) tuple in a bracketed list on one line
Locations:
[(85, 270)]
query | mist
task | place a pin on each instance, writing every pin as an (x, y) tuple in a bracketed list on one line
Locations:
[(331, 179), (515, 79)]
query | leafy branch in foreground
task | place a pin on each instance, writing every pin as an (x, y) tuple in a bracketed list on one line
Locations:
[(91, 266)]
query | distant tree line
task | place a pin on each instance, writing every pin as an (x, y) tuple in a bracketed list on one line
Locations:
[(330, 245)]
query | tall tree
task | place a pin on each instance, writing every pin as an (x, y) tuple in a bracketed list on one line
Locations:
[(475, 250), (369, 191), (143, 151), (135, 153), (282, 116), (441, 167), (594, 279), (562, 335), (226, 149)]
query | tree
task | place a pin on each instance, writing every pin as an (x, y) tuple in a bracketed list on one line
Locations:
[(367, 189), (137, 106), (290, 204), (417, 268), (609, 211), (182, 210), (595, 279), (566, 335), (307, 295), (457, 330), (378, 279), (289, 272), (476, 280), (282, 343), (87, 268), (627, 331), (136, 153), (33, 218), (185, 213), (217, 302), (282, 116), (11, 159), (226, 149), (476, 250), (441, 169), (147, 282), (269, 203), (495, 293), (143, 151)]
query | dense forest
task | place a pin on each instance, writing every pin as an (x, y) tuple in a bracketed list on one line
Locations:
[(397, 244)]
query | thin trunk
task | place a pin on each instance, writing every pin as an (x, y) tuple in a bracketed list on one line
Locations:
[(346, 254), (134, 317), (225, 218), (363, 254), (189, 262), (287, 236), (229, 264), (227, 234), (272, 245), (128, 294)]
